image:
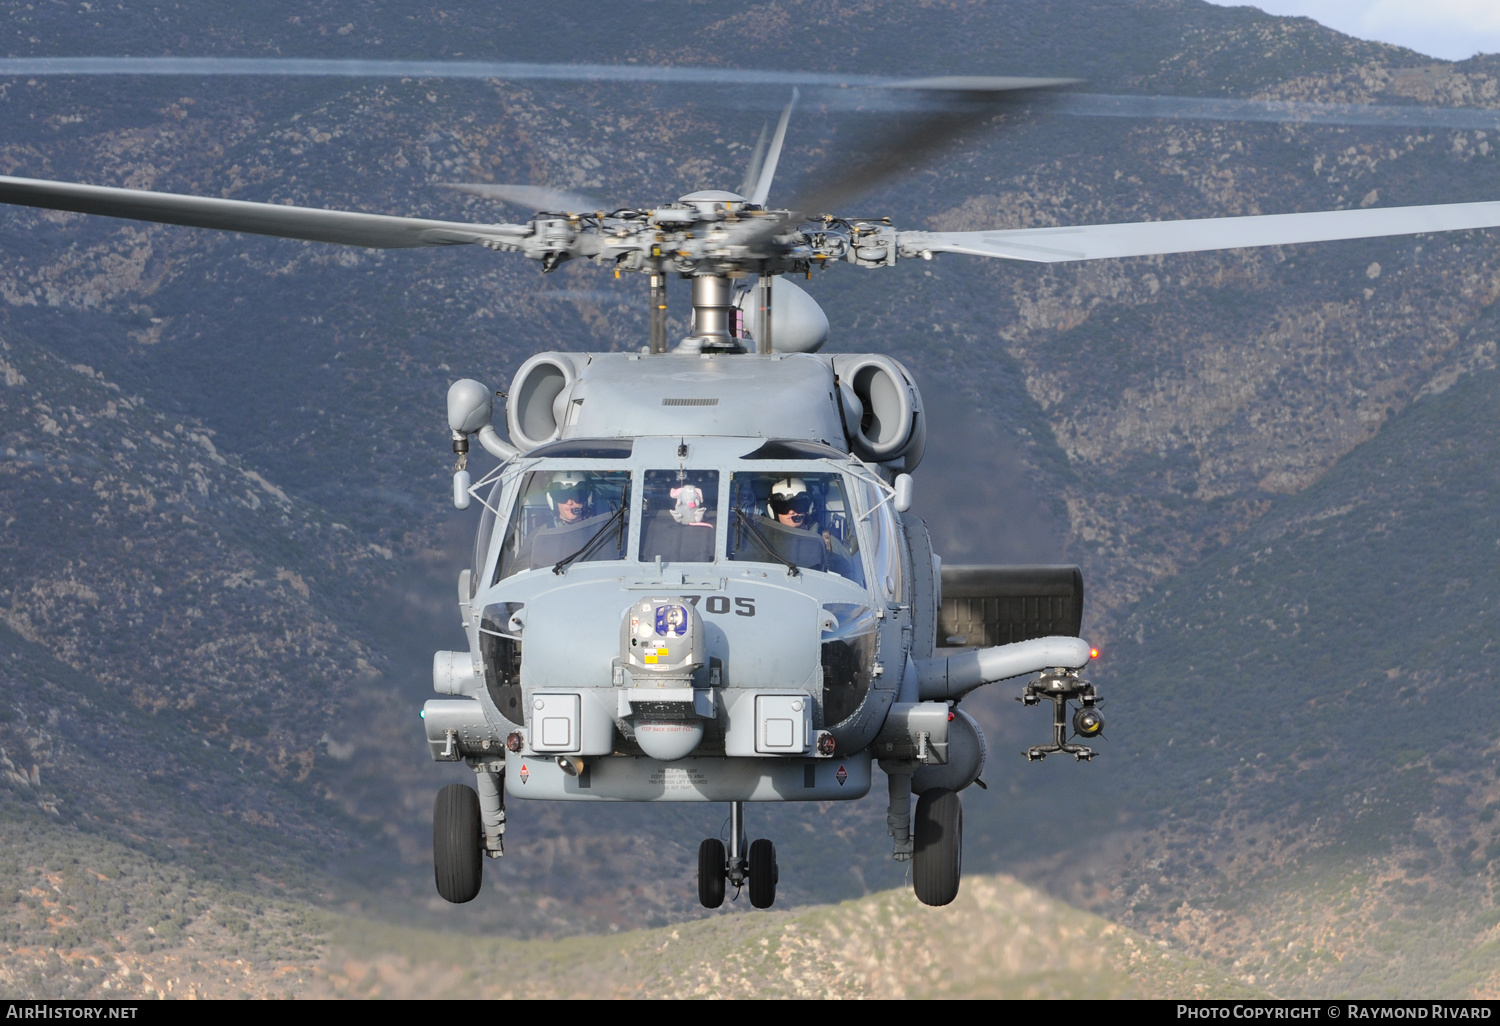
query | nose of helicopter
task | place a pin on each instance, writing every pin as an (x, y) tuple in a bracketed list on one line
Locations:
[(755, 632)]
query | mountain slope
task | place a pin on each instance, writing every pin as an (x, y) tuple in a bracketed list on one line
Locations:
[(1307, 714), (169, 579), (226, 553)]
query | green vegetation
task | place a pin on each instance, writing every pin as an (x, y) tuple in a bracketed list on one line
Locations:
[(81, 916), (1000, 940)]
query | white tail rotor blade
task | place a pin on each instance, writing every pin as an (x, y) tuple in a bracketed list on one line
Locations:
[(1153, 238)]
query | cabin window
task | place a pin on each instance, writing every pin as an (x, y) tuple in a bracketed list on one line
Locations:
[(794, 517), (679, 516), (575, 516)]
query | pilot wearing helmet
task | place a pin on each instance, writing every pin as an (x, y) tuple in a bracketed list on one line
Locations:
[(569, 525), (570, 497), (795, 508), (792, 505)]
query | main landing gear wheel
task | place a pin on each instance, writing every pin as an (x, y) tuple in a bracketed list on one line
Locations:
[(763, 873), (711, 863), (938, 862), (456, 844)]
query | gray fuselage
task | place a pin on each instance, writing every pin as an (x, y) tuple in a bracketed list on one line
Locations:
[(808, 632)]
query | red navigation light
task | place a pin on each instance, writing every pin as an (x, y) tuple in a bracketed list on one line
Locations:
[(515, 741), (1093, 653)]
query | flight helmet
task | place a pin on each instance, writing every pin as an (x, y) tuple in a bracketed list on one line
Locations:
[(570, 486), (791, 495)]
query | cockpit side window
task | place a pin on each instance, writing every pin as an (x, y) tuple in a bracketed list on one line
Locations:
[(581, 516), (794, 517), (483, 538), (679, 516), (885, 544)]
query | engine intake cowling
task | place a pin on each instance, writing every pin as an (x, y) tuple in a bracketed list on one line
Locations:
[(536, 411), (883, 412)]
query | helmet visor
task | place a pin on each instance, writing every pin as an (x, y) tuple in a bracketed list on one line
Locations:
[(568, 492), (801, 504)]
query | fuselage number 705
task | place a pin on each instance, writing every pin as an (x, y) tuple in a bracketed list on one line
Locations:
[(719, 604)]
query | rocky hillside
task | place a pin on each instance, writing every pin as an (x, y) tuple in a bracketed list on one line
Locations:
[(227, 559), (1316, 698), (157, 610)]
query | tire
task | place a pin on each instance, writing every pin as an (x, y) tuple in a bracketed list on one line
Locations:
[(762, 873), (711, 863), (938, 865), (457, 861)]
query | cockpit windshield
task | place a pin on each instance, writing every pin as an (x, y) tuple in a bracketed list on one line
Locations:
[(798, 518), (566, 516), (679, 513)]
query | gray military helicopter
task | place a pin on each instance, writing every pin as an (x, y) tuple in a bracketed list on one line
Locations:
[(695, 576)]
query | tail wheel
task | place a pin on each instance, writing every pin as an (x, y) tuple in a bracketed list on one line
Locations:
[(711, 863), (457, 862), (763, 873), (938, 864)]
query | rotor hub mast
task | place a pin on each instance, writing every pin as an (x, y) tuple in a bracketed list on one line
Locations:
[(713, 299)]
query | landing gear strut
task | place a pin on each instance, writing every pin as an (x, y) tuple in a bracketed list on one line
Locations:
[(466, 827), (718, 866), (934, 845)]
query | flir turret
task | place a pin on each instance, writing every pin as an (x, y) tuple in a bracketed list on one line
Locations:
[(662, 649)]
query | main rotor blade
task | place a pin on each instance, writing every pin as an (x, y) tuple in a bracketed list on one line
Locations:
[(768, 169), (962, 103), (1295, 112), (345, 227), (529, 197), (1152, 238), (834, 88), (311, 67)]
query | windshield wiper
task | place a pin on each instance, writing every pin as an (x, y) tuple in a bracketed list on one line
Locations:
[(593, 541), (745, 522)]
